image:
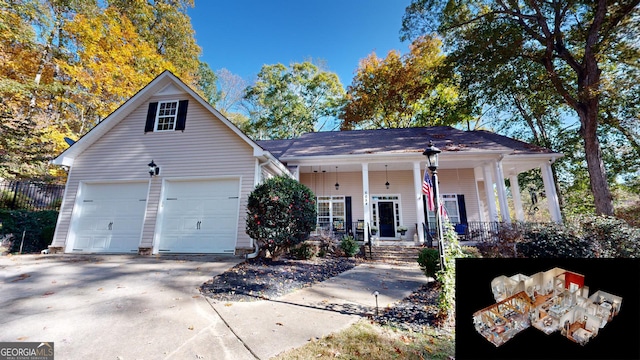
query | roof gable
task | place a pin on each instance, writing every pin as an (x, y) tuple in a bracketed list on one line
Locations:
[(164, 84)]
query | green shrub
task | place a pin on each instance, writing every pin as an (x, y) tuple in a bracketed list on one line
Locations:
[(471, 252), (303, 251), (281, 213), (38, 228), (429, 261), (446, 277), (614, 237), (349, 245), (555, 241)]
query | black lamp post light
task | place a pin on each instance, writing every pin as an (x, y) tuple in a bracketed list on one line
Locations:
[(337, 185), (154, 170), (432, 153)]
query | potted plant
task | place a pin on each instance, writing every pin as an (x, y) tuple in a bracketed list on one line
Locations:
[(402, 230), (374, 230)]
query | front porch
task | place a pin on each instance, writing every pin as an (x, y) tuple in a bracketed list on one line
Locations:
[(375, 178), (476, 204)]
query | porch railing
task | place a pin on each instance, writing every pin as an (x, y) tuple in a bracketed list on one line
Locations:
[(481, 231)]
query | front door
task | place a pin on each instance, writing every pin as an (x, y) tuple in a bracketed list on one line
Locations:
[(387, 223)]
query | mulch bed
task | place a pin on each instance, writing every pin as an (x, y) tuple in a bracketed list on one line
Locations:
[(414, 312), (260, 279)]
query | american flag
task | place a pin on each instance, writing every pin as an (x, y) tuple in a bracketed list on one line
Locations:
[(427, 189)]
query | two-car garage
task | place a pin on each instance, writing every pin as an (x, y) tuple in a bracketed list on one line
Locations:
[(194, 216)]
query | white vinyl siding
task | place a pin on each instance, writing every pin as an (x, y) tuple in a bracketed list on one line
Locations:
[(452, 181), (207, 148)]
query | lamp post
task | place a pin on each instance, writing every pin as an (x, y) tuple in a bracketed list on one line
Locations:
[(432, 153)]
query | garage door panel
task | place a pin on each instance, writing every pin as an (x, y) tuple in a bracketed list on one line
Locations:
[(122, 243), (201, 217), (110, 217)]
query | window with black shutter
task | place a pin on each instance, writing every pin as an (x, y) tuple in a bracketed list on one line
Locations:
[(167, 116)]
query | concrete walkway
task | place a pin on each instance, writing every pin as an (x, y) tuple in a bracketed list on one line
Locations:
[(270, 327)]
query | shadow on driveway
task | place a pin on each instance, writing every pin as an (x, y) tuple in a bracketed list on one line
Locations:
[(110, 306)]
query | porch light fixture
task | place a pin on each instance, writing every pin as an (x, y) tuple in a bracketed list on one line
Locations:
[(386, 176), (432, 153), (153, 169), (432, 156), (337, 185)]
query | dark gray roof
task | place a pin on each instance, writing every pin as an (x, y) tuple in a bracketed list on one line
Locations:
[(406, 140)]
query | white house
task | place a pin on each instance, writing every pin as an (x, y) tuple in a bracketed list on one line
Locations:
[(208, 167)]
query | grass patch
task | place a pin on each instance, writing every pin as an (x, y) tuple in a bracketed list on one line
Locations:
[(365, 340)]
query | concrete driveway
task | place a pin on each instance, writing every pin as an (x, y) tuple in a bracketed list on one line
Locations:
[(115, 307)]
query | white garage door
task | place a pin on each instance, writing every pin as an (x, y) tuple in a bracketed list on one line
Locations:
[(108, 217), (199, 216)]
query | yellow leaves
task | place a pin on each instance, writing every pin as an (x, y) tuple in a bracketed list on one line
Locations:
[(113, 61)]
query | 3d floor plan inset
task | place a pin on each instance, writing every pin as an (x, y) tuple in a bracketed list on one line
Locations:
[(549, 301)]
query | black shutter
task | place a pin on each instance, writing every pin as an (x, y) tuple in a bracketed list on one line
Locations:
[(462, 208), (426, 211), (348, 218), (182, 114), (151, 117)]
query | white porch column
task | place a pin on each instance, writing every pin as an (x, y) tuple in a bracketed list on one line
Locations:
[(550, 191), (502, 192), (489, 194), (366, 200), (417, 184), (295, 171), (517, 199)]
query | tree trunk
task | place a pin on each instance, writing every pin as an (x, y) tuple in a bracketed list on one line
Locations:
[(595, 166)]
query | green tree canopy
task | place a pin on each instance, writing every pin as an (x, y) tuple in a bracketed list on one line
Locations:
[(577, 46), (288, 101)]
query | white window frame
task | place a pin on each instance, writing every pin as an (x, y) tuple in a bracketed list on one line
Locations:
[(331, 200), (451, 205), (173, 116)]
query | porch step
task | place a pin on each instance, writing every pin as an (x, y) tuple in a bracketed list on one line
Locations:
[(403, 254)]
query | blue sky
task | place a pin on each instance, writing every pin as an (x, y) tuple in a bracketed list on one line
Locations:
[(243, 35)]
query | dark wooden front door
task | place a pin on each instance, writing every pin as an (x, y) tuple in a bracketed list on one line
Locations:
[(387, 223)]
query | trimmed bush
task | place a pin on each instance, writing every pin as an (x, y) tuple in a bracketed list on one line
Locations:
[(38, 228), (349, 245), (429, 261), (281, 213), (303, 251)]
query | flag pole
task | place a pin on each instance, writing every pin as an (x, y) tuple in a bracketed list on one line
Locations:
[(436, 202)]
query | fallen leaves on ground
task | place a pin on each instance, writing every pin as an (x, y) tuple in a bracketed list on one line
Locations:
[(21, 277)]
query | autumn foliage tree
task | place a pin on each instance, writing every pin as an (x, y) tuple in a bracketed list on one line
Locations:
[(404, 91), (110, 64), (66, 65), (584, 49)]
